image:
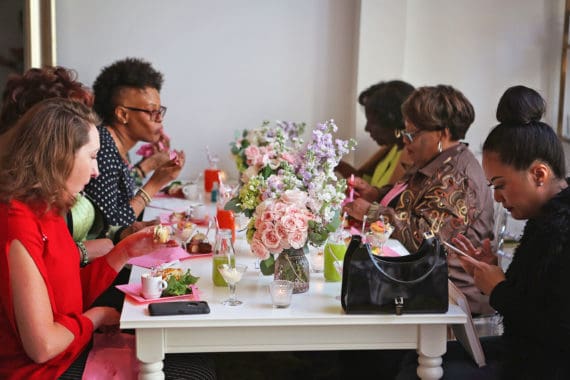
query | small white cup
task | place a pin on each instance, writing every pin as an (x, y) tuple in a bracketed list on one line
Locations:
[(152, 286), (281, 291), (200, 212), (191, 192)]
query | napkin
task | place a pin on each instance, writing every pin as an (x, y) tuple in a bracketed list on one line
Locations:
[(164, 255)]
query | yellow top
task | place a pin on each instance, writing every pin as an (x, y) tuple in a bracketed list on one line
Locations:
[(385, 168)]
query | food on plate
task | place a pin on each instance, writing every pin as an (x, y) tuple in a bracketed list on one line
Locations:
[(199, 244), (165, 273), (161, 234), (174, 189), (178, 281)]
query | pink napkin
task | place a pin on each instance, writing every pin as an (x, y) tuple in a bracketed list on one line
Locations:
[(165, 219), (164, 255), (112, 357), (387, 251), (134, 291)]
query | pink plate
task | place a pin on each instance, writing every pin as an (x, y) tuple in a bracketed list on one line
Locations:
[(134, 292)]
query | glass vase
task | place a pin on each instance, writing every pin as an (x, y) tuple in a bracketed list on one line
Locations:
[(293, 265)]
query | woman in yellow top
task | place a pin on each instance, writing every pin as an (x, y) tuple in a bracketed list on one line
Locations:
[(382, 105)]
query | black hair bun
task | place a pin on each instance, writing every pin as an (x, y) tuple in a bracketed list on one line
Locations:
[(520, 105)]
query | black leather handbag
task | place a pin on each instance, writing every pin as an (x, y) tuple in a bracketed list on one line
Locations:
[(416, 283)]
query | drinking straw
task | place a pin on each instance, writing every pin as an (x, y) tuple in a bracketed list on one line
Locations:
[(363, 224)]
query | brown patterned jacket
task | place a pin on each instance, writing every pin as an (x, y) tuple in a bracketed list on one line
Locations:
[(447, 196)]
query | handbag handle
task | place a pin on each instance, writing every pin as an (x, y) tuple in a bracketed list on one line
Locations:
[(421, 278)]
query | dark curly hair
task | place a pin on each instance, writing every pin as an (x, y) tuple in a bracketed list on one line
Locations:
[(383, 102), (25, 90), (440, 107), (129, 72)]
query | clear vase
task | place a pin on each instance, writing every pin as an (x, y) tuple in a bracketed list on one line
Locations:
[(293, 265)]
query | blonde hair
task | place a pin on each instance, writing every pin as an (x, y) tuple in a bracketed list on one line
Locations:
[(36, 166)]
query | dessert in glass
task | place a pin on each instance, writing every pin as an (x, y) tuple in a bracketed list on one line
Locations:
[(232, 275), (378, 235)]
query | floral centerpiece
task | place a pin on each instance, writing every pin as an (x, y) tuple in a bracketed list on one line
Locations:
[(289, 189)]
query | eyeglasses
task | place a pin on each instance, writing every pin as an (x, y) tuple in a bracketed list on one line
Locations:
[(408, 135), (155, 115)]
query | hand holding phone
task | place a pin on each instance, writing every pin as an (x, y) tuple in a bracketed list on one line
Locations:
[(460, 252)]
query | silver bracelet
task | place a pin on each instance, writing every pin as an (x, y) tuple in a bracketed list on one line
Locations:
[(84, 258)]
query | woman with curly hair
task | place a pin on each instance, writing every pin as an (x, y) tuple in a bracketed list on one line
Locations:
[(23, 91), (127, 98)]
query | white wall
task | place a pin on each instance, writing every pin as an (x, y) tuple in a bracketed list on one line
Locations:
[(231, 64), (228, 65), (479, 47)]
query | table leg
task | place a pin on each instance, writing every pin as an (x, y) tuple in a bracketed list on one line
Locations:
[(151, 371), (150, 353), (432, 345)]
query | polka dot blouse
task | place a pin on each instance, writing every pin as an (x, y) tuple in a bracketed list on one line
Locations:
[(114, 188)]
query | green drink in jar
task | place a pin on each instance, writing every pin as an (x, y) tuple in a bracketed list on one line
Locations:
[(335, 249), (216, 275)]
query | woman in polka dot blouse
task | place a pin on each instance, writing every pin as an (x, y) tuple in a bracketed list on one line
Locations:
[(127, 98)]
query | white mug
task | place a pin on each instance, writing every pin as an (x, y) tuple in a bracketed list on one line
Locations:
[(152, 286), (191, 192)]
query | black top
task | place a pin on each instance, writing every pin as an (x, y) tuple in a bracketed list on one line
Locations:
[(114, 188), (534, 300)]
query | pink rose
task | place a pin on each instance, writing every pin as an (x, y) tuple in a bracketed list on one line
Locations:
[(297, 239), (289, 222), (270, 238), (259, 249), (294, 197), (252, 154)]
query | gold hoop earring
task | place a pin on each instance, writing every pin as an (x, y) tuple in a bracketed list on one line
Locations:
[(439, 146)]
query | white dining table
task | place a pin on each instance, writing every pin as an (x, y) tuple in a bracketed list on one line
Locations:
[(314, 321)]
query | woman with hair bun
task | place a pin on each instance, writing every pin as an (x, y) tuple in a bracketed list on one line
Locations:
[(523, 160)]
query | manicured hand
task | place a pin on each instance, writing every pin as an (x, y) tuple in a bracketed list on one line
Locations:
[(485, 276), (483, 253), (169, 171), (137, 226), (142, 243), (364, 190), (357, 209)]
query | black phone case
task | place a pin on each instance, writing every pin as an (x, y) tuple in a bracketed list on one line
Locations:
[(178, 307)]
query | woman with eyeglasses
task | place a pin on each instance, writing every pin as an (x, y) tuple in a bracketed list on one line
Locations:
[(382, 104), (127, 98), (524, 163), (445, 193)]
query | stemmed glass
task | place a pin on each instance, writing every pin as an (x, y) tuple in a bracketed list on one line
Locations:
[(182, 232), (376, 240), (232, 275)]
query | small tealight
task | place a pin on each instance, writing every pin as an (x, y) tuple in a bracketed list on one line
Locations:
[(281, 291)]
